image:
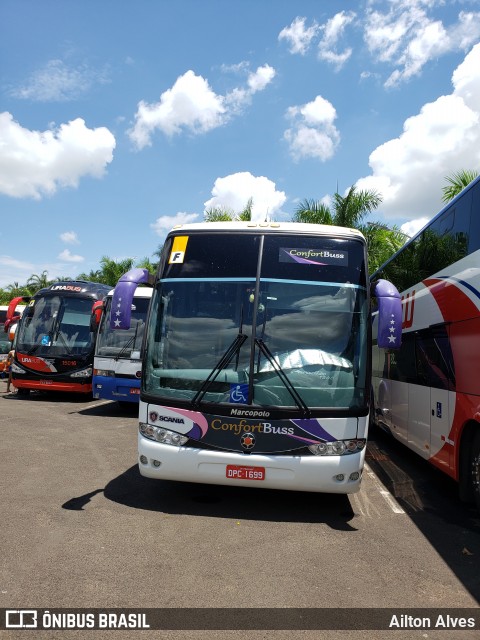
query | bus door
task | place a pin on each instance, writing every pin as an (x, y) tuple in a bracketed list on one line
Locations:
[(430, 409), (401, 365)]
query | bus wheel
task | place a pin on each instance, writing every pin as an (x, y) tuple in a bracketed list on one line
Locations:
[(475, 469)]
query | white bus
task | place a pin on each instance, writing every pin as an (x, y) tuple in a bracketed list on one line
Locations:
[(117, 365), (427, 394), (257, 357)]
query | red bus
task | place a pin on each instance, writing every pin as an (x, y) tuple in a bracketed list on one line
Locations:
[(55, 338)]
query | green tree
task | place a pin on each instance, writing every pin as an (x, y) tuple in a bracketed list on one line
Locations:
[(217, 214), (350, 211), (146, 263), (112, 270), (346, 211), (15, 289), (36, 282), (93, 276), (382, 243), (456, 183), (224, 214), (313, 211)]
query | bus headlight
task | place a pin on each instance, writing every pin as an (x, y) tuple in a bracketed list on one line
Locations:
[(17, 369), (338, 447), (83, 373), (162, 435), (104, 372)]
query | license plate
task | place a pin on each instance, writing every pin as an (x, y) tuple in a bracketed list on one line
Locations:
[(238, 472), (135, 392)]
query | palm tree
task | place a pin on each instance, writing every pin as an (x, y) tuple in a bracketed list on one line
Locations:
[(217, 214), (112, 270), (246, 214), (348, 210), (220, 214), (15, 289), (36, 282), (456, 183), (146, 263), (382, 243), (313, 211), (93, 276)]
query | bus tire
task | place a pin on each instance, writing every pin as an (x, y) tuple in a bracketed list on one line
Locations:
[(474, 472)]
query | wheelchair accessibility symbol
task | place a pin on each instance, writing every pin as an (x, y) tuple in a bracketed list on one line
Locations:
[(239, 393)]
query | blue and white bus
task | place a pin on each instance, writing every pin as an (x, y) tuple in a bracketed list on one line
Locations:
[(117, 365), (257, 356)]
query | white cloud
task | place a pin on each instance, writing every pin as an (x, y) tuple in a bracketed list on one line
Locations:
[(192, 105), (411, 227), (163, 224), (14, 270), (234, 191), (56, 82), (408, 38), (259, 79), (66, 256), (69, 237), (313, 133), (409, 171), (333, 30), (298, 36), (37, 163)]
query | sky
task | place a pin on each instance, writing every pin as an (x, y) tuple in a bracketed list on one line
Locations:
[(119, 120)]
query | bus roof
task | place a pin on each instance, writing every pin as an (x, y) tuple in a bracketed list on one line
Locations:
[(449, 204), (273, 227), (95, 290)]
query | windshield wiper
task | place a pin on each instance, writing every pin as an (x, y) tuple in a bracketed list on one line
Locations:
[(59, 334), (130, 343), (283, 377), (224, 361)]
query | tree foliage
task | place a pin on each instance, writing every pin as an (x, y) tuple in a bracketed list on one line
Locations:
[(109, 273), (350, 211), (456, 183)]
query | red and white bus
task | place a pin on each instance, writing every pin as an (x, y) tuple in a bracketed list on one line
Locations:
[(427, 394), (55, 338)]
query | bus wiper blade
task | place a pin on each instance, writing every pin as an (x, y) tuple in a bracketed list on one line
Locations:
[(130, 343), (283, 377), (221, 364)]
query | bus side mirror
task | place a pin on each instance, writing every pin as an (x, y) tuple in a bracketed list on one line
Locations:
[(12, 330), (97, 311), (389, 315), (123, 296)]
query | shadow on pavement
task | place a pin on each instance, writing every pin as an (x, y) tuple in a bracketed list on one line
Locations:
[(215, 501), (430, 498)]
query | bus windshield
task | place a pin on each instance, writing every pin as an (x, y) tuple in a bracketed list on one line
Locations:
[(121, 343), (283, 324), (56, 325)]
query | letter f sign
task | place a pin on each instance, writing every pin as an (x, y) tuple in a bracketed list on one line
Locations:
[(177, 255)]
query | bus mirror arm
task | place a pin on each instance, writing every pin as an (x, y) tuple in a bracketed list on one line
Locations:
[(389, 315), (97, 311), (123, 296)]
